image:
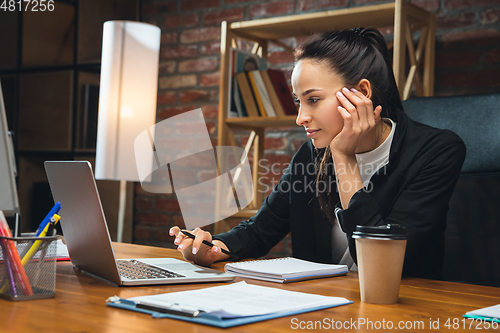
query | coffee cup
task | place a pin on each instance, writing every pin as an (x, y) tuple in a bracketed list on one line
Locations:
[(380, 252)]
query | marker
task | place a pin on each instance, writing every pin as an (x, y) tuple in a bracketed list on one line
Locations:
[(190, 235)]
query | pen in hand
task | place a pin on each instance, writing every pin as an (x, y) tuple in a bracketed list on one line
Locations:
[(190, 235)]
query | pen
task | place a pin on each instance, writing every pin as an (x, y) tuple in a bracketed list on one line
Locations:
[(47, 218), (169, 310), (190, 235)]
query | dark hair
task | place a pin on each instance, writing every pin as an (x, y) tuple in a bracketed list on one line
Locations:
[(353, 54)]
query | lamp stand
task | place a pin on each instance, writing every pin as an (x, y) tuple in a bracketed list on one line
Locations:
[(121, 210)]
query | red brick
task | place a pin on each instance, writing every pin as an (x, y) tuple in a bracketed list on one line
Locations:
[(142, 233), (429, 5), (164, 236), (167, 205), (282, 57), (166, 97), (210, 111), (364, 1), (200, 35), (305, 5), (229, 15), (178, 21), (488, 78), (166, 113), (184, 51), (272, 9), (475, 37), (199, 4), (158, 9), (275, 143), (190, 96), (458, 4), (177, 220), (167, 66), (492, 57), (177, 81), (143, 203), (210, 79), (227, 2), (463, 59), (198, 65), (462, 20), (177, 144), (211, 127), (152, 219), (210, 48), (490, 16), (169, 38)]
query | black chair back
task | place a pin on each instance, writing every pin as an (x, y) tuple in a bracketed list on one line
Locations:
[(472, 235)]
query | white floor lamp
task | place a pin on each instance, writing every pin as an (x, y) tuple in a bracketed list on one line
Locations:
[(127, 100)]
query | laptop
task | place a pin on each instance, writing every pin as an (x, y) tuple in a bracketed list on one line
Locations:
[(87, 237)]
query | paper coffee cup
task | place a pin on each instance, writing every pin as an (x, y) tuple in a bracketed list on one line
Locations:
[(380, 252)]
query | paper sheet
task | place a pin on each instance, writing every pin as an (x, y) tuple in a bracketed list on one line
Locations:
[(241, 300), (491, 311)]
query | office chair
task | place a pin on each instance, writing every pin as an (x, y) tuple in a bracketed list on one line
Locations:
[(472, 249)]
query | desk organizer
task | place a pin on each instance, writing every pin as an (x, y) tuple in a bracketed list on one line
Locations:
[(27, 267)]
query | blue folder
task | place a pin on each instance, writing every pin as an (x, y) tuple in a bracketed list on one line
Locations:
[(212, 319)]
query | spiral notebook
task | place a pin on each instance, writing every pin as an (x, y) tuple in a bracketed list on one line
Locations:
[(284, 270)]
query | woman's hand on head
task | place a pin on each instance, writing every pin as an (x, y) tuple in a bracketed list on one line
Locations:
[(193, 249), (360, 118)]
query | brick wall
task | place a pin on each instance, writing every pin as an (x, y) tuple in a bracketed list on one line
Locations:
[(467, 62)]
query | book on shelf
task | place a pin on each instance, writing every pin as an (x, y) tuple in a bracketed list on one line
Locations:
[(283, 91), (247, 95), (256, 94), (263, 92), (238, 102), (240, 61), (278, 108), (284, 270)]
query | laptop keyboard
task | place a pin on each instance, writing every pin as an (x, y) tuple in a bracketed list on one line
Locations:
[(135, 270)]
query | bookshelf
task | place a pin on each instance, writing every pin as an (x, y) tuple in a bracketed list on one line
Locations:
[(414, 32)]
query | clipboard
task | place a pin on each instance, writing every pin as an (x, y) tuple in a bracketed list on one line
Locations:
[(205, 318), (228, 305)]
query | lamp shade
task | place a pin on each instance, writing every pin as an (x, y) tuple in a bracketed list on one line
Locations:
[(127, 95)]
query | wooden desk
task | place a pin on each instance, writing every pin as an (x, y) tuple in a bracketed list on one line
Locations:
[(79, 305)]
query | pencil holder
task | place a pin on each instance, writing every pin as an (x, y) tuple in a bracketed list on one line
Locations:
[(27, 267)]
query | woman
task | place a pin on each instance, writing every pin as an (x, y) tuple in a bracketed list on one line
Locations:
[(367, 163)]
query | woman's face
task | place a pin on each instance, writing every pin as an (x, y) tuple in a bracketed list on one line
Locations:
[(315, 86)]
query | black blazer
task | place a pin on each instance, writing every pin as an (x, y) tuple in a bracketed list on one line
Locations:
[(412, 190)]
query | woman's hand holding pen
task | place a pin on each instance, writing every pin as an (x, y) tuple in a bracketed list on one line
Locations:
[(194, 250)]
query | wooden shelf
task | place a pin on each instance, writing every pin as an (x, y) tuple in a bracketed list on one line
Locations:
[(308, 24)]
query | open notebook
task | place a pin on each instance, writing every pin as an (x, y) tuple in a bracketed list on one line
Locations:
[(284, 270)]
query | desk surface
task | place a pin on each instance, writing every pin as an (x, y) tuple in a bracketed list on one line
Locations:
[(79, 305)]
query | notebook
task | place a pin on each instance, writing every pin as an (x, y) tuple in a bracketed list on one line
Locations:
[(87, 237), (284, 270)]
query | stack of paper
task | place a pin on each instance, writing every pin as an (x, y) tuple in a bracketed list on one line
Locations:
[(284, 270), (491, 313), (228, 305)]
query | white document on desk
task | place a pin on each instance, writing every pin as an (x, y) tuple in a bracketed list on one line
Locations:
[(242, 300)]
